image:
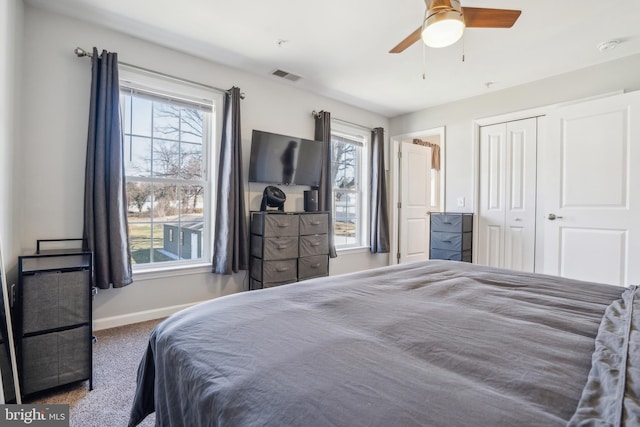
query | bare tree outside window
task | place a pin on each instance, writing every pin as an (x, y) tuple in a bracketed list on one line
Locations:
[(165, 178), (346, 189)]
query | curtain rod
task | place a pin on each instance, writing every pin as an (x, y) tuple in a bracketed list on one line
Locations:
[(316, 114), (83, 53)]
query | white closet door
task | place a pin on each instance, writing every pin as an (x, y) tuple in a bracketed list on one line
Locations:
[(506, 223), (590, 191)]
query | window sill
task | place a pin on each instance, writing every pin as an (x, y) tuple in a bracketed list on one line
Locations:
[(172, 271), (353, 250)]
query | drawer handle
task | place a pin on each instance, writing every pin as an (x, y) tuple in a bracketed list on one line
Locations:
[(446, 222), (315, 243), (315, 265), (282, 269), (315, 222), (446, 241), (281, 247), (283, 225)]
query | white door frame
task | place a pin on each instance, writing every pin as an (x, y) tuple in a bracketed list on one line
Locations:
[(395, 179)]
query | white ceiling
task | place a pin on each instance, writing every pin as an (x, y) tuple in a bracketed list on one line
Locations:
[(339, 47)]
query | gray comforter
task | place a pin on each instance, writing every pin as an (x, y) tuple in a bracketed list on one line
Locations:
[(426, 344)]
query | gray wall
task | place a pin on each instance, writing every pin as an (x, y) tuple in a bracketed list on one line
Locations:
[(51, 152), (11, 25), (458, 117)]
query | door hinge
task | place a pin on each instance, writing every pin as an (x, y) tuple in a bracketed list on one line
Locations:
[(399, 205), (399, 154), (398, 256)]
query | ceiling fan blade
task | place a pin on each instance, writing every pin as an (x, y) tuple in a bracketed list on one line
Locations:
[(480, 17), (474, 17), (408, 41)]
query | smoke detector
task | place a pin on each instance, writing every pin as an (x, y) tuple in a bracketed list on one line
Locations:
[(608, 45)]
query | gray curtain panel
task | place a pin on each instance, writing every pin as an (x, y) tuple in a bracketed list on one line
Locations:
[(379, 225), (231, 245), (105, 200), (323, 133)]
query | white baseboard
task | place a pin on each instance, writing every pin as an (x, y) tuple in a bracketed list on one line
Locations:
[(140, 316)]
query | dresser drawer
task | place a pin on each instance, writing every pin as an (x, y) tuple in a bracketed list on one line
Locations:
[(256, 284), (273, 285), (453, 222), (272, 248), (451, 241), (450, 255), (314, 245), (39, 368), (274, 271), (270, 225), (55, 358), (55, 299), (313, 266), (314, 223)]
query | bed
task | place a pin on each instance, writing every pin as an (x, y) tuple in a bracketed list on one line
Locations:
[(435, 343)]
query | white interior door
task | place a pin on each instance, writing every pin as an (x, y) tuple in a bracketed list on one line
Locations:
[(415, 201), (591, 191), (507, 197)]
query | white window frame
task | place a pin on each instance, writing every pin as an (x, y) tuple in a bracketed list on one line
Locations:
[(175, 89), (363, 136), (435, 189)]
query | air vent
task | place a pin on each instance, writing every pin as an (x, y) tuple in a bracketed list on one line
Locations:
[(286, 75)]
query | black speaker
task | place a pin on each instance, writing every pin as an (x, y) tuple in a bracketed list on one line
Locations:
[(311, 201)]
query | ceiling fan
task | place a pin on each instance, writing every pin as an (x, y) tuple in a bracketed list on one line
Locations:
[(445, 21)]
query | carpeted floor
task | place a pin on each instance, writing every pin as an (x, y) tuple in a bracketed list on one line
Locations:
[(116, 355)]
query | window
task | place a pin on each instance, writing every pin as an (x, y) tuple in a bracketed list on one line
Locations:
[(167, 142), (349, 173)]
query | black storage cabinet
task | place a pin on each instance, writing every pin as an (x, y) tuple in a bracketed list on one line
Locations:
[(451, 236), (54, 325)]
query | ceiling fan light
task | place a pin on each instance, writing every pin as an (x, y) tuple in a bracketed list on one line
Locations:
[(443, 28)]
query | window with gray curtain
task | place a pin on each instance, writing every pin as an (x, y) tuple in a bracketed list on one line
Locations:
[(349, 171), (170, 131), (167, 141)]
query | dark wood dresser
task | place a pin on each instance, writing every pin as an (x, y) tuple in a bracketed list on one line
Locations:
[(287, 247)]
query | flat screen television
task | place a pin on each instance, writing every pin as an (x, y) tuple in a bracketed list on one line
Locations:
[(282, 159)]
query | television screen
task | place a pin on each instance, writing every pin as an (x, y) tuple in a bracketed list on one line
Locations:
[(281, 159)]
